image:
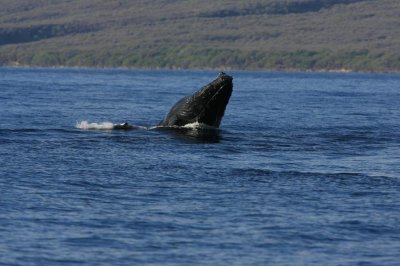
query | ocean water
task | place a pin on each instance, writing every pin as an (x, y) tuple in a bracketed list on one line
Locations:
[(305, 170)]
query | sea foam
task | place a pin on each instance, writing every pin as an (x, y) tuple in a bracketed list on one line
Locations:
[(197, 125), (87, 125)]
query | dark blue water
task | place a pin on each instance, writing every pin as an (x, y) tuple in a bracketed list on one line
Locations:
[(305, 170)]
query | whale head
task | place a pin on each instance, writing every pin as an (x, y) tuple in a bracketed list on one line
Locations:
[(205, 106)]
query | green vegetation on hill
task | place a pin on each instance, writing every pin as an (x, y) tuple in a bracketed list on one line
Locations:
[(360, 35)]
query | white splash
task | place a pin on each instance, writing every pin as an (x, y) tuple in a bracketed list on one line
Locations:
[(87, 125), (194, 125), (197, 125)]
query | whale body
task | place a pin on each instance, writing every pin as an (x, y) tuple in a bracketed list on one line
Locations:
[(205, 106)]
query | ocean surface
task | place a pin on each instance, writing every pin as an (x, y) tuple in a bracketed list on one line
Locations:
[(305, 170)]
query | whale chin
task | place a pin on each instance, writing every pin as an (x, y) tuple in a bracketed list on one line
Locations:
[(205, 106)]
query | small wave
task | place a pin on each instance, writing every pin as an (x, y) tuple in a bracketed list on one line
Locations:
[(86, 125), (19, 130)]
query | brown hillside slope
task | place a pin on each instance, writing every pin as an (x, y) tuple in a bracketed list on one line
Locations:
[(254, 34)]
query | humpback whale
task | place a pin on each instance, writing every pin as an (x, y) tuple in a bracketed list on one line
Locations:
[(205, 106)]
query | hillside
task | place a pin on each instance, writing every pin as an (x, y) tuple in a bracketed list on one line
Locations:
[(360, 35)]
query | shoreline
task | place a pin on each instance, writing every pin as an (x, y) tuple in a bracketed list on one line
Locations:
[(222, 68)]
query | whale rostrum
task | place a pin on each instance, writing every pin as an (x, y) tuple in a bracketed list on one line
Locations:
[(205, 106)]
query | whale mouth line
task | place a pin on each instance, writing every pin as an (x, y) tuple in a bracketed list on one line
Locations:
[(212, 103), (215, 95)]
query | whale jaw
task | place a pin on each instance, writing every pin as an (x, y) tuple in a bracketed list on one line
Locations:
[(206, 106), (214, 109)]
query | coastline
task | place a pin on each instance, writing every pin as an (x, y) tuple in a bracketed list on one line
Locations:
[(222, 68)]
